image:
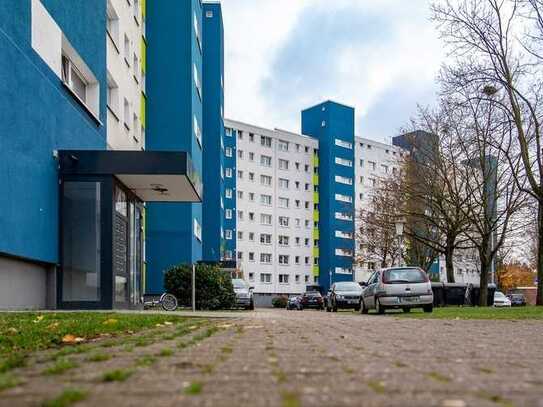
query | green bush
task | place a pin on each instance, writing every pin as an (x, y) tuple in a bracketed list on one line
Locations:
[(214, 288), (280, 302)]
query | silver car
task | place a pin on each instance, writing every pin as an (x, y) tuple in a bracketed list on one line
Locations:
[(397, 288), (244, 294)]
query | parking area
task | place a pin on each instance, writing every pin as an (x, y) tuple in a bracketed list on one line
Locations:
[(315, 358)]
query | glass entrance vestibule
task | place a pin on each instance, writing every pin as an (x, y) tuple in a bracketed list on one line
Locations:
[(102, 212)]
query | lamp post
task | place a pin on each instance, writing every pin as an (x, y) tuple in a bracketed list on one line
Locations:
[(399, 234)]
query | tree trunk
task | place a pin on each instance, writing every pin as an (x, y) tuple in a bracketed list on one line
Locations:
[(483, 282), (539, 299), (449, 266)]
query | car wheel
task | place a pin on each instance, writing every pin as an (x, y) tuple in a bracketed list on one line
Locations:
[(334, 308), (428, 308), (378, 308), (406, 309), (363, 309)]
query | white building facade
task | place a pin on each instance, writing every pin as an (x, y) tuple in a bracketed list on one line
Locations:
[(126, 48)]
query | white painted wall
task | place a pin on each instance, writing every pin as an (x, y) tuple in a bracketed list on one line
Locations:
[(127, 77), (293, 156)]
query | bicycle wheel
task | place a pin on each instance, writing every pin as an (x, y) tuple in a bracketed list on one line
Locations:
[(168, 302)]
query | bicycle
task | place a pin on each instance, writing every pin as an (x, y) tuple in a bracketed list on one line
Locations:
[(167, 301)]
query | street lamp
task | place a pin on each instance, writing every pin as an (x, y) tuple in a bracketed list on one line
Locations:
[(399, 234)]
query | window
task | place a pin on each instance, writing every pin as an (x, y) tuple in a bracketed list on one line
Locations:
[(228, 254), (297, 240), (228, 151), (240, 154), (251, 258), (344, 180), (265, 219), (283, 259), (344, 162), (112, 24), (265, 278), (126, 114), (283, 221), (296, 259), (283, 240), (228, 193), (306, 168), (240, 215), (127, 50), (265, 161), (266, 180), (251, 156), (384, 168), (229, 132), (307, 187), (344, 144), (265, 238), (228, 213), (240, 235), (343, 270), (228, 234), (240, 194), (344, 252), (306, 148), (283, 202), (135, 126), (362, 163), (344, 216), (112, 96), (297, 203), (297, 166), (283, 164), (197, 230), (74, 79), (282, 145), (297, 278), (209, 14), (307, 279), (344, 235), (251, 196), (298, 222), (297, 184), (197, 82), (265, 258), (283, 183), (283, 278), (228, 172), (240, 135), (265, 141), (306, 205), (197, 31), (344, 198), (306, 242), (136, 68), (252, 216), (372, 165), (266, 200), (306, 260), (307, 224), (251, 137), (251, 236), (197, 131)]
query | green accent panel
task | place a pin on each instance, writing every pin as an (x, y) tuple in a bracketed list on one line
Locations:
[(315, 160), (316, 197), (143, 55), (316, 252), (142, 110), (316, 216), (315, 179), (143, 8), (316, 234), (316, 271)]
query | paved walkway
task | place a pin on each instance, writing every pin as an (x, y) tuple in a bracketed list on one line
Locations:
[(311, 358)]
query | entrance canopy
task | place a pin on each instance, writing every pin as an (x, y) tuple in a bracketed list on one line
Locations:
[(153, 176)]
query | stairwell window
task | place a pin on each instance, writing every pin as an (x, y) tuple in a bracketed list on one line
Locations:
[(197, 82), (74, 79)]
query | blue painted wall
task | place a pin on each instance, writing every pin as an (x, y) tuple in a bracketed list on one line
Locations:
[(38, 116), (213, 128), (173, 101), (326, 122)]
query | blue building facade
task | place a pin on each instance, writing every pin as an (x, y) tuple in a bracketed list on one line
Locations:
[(228, 243), (333, 125), (213, 128), (174, 123)]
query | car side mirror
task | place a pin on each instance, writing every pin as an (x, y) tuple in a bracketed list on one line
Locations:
[(363, 283), (251, 288)]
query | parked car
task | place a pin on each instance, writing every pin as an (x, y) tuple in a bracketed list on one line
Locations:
[(397, 288), (294, 302), (500, 300), (517, 300), (343, 295), (312, 299), (244, 294)]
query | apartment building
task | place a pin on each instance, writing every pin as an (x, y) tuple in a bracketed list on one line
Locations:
[(274, 215), (126, 50), (76, 179)]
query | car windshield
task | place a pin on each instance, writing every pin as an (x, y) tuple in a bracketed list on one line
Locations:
[(238, 283), (400, 276), (347, 286), (517, 296), (499, 294)]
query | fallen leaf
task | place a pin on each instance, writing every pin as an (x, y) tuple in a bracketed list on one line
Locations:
[(110, 321), (72, 339), (168, 323), (192, 328), (39, 318), (54, 325), (159, 325)]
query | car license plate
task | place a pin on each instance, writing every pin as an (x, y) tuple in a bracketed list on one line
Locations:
[(410, 299), (351, 301)]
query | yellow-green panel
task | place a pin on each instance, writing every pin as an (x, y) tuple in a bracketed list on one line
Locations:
[(315, 160), (316, 197), (316, 216), (143, 7), (315, 252), (316, 271), (142, 110), (316, 234), (315, 179), (143, 55)]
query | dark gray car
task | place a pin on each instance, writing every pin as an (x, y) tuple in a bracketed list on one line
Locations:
[(344, 295)]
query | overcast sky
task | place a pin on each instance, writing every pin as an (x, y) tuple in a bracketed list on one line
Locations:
[(379, 56)]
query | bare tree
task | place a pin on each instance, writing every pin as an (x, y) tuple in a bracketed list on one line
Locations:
[(496, 46)]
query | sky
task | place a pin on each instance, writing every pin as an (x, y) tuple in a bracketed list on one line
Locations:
[(281, 56)]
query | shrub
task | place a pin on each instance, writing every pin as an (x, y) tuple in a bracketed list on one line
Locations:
[(279, 302), (214, 288)]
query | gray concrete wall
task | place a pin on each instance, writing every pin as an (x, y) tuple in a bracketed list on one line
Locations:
[(25, 285)]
